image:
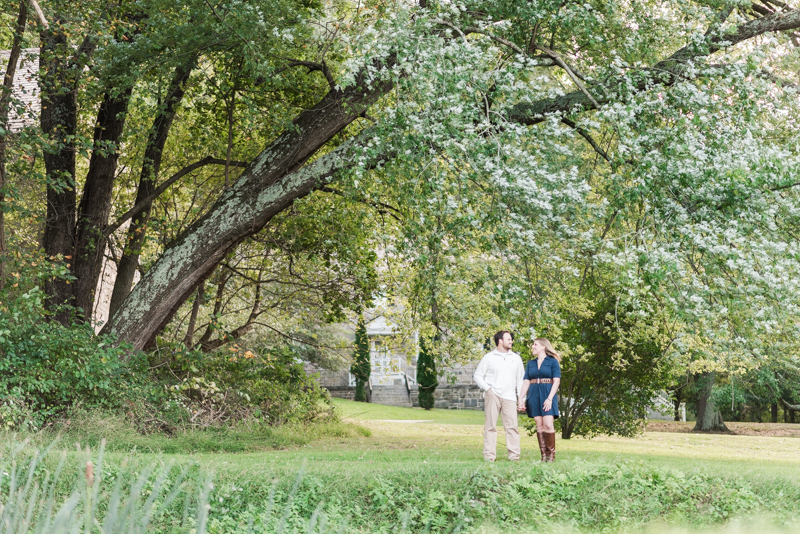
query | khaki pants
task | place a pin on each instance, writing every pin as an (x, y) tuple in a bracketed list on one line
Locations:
[(494, 405)]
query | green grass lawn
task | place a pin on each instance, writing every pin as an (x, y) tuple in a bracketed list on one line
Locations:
[(360, 411), (718, 453), (399, 472)]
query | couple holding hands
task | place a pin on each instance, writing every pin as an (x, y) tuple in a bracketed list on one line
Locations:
[(509, 386)]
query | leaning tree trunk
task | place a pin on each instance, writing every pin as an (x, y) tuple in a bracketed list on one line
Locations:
[(709, 418), (151, 164), (95, 206), (270, 184)]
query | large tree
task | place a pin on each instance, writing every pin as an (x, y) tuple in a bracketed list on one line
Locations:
[(626, 143)]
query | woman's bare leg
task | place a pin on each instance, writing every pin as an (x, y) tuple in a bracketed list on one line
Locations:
[(547, 423)]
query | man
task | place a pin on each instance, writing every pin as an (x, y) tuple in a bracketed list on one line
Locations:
[(499, 375)]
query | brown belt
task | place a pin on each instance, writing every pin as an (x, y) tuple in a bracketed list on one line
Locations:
[(541, 380)]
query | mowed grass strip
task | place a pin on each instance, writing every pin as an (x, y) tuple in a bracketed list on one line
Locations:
[(456, 436), (362, 411)]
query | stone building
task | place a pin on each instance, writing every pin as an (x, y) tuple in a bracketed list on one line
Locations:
[(26, 104), (393, 378)]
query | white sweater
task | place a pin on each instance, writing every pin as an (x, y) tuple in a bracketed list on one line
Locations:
[(502, 372)]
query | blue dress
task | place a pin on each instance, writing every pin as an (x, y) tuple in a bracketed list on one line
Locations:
[(538, 393)]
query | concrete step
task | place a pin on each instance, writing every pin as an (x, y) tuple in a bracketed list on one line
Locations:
[(391, 396)]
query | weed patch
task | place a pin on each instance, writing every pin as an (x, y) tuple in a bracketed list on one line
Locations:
[(90, 428)]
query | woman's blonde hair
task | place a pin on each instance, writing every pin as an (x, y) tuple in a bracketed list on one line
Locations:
[(548, 348)]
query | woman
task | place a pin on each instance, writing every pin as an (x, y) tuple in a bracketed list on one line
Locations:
[(540, 383)]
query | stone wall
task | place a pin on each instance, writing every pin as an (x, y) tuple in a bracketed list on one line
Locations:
[(459, 397), (342, 392)]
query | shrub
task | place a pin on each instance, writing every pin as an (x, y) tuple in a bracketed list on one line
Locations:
[(362, 366), (426, 376), (235, 384), (46, 367)]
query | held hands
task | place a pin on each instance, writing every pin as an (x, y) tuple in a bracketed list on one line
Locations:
[(521, 406)]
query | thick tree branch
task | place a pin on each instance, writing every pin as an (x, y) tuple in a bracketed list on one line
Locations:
[(242, 211), (664, 73), (790, 406), (39, 13), (163, 187)]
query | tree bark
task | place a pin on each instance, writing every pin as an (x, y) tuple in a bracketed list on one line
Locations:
[(6, 92), (272, 182), (154, 151), (709, 418), (664, 73), (774, 412), (95, 206), (59, 74)]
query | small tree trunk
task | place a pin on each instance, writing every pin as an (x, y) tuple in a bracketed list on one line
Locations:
[(774, 409), (153, 154), (709, 418), (95, 205), (189, 339), (567, 423)]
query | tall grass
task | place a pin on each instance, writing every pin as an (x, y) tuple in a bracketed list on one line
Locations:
[(44, 499), (32, 495), (90, 427), (83, 491)]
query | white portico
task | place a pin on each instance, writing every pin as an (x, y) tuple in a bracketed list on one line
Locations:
[(393, 362)]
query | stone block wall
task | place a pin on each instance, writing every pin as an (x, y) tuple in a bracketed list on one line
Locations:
[(342, 392), (458, 397)]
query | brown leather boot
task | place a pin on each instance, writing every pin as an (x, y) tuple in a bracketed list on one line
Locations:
[(542, 447), (550, 446)]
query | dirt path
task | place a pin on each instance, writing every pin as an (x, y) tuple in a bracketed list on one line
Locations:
[(741, 429)]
